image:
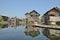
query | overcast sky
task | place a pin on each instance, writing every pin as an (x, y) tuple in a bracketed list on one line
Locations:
[(18, 8)]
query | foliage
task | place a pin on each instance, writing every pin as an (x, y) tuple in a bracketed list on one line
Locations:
[(58, 23), (22, 22), (1, 19), (41, 21), (2, 22)]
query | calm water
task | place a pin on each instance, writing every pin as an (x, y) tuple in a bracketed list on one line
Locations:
[(28, 33)]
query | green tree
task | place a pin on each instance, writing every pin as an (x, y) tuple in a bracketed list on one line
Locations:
[(2, 22), (1, 19), (41, 20)]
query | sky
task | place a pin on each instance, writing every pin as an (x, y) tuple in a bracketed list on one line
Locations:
[(12, 8)]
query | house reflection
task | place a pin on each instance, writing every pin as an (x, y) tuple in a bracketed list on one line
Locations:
[(14, 26), (31, 31), (4, 26), (52, 34)]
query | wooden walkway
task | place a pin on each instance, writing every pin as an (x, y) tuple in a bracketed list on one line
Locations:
[(47, 26)]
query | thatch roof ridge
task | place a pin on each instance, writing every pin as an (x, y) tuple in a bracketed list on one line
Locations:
[(52, 9)]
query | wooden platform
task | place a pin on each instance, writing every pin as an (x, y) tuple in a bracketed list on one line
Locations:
[(47, 26)]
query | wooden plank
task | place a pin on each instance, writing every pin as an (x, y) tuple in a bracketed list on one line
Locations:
[(46, 26)]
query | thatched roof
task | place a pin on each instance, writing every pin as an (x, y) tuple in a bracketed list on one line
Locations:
[(32, 12), (56, 8), (27, 13)]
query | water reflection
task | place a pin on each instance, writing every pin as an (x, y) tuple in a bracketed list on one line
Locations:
[(16, 25), (13, 25), (23, 32), (52, 34), (31, 31), (4, 26)]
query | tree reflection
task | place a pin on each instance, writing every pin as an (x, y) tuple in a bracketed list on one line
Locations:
[(3, 26), (31, 31), (52, 34)]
